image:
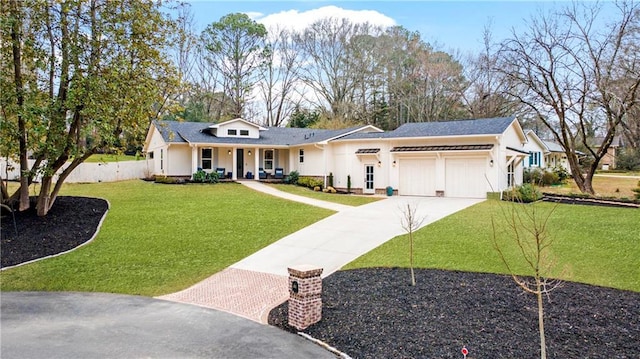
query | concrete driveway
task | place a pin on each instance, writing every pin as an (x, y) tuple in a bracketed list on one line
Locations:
[(339, 239), (98, 325)]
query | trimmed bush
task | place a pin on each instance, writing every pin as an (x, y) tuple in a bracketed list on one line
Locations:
[(526, 193), (637, 191), (292, 178), (330, 180), (309, 182), (203, 177), (549, 178)]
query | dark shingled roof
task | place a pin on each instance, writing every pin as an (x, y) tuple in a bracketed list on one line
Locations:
[(363, 151), (487, 126), (199, 132), (441, 148)]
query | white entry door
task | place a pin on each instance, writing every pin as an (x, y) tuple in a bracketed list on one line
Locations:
[(369, 186)]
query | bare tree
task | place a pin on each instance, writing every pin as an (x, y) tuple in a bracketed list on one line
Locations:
[(527, 227), (576, 80), (280, 73), (410, 222), (327, 69), (484, 94)]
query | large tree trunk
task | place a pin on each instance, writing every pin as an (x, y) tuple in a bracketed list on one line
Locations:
[(22, 132), (42, 206)]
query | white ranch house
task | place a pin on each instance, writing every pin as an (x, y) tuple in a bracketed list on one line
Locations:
[(463, 158)]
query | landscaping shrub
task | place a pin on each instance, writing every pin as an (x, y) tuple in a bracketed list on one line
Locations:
[(532, 175), (169, 180), (637, 191), (292, 178), (526, 193), (562, 174), (203, 177), (330, 184), (309, 182), (349, 184), (549, 178)]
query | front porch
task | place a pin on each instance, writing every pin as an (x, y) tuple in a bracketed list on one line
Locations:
[(234, 163)]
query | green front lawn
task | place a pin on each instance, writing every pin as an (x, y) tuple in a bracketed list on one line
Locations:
[(349, 200), (595, 245), (159, 238)]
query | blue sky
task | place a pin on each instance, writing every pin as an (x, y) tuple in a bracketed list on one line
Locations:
[(453, 25)]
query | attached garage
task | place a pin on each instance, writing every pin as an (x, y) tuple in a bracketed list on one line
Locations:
[(465, 177), (417, 177)]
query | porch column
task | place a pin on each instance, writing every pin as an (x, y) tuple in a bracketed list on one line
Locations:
[(194, 159), (234, 166), (256, 158)]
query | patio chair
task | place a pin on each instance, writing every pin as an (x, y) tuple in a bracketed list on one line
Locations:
[(261, 173), (278, 173)]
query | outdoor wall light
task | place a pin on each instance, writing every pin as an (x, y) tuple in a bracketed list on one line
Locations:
[(379, 163), (394, 163), (229, 152), (491, 163), (249, 152)]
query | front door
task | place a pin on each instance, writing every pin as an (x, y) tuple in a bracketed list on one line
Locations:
[(368, 179), (240, 162)]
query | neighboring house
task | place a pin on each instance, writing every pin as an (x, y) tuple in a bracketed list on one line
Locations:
[(608, 161), (556, 157), (537, 150), (464, 158)]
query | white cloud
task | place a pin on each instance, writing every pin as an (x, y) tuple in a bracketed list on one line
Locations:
[(296, 20), (253, 15)]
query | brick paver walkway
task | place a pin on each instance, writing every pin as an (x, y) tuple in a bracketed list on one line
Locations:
[(241, 292)]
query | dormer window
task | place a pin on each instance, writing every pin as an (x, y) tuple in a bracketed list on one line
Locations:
[(232, 132), (244, 132)]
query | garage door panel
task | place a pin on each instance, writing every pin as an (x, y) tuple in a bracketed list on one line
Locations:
[(465, 177), (417, 177)]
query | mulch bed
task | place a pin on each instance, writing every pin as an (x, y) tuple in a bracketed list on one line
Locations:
[(70, 222), (375, 313)]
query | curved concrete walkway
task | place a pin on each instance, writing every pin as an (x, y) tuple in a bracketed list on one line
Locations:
[(99, 325), (254, 285)]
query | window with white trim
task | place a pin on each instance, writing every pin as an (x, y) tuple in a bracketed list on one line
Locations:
[(534, 159), (244, 132), (206, 159), (232, 132), (301, 156), (268, 159), (161, 160)]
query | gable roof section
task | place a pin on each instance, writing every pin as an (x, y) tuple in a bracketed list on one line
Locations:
[(533, 136), (226, 123), (200, 132)]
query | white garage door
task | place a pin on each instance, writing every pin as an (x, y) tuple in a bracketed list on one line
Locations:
[(417, 177), (464, 177)]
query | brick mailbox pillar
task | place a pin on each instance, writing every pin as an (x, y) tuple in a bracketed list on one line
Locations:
[(305, 300)]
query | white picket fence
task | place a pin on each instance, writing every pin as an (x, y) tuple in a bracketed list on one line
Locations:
[(91, 172)]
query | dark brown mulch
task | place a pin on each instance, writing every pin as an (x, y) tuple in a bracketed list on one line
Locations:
[(70, 222), (374, 313)]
